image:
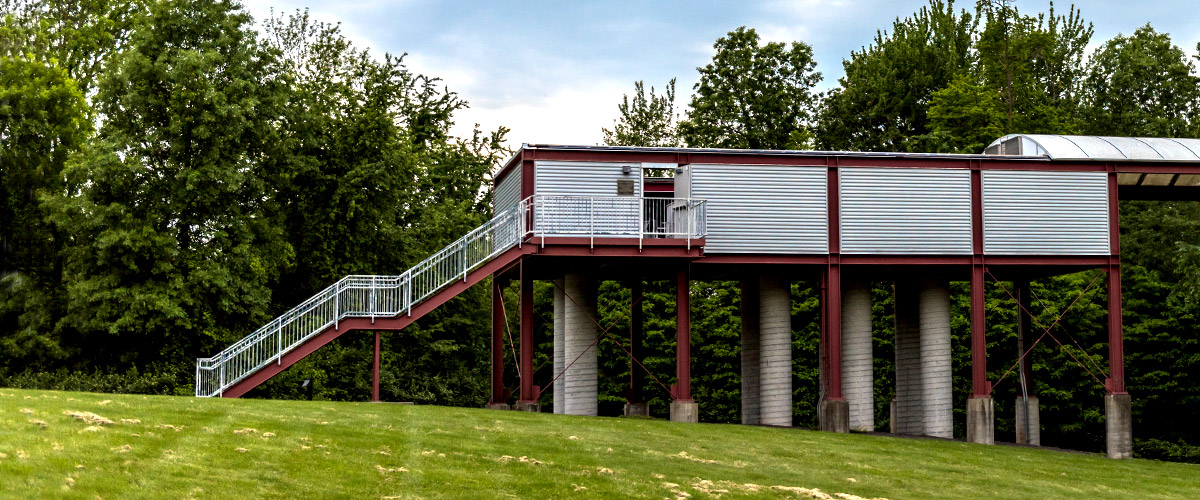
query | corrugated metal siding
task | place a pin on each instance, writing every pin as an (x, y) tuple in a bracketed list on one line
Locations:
[(763, 208), (1045, 213), (905, 211), (508, 192), (579, 178), (559, 215)]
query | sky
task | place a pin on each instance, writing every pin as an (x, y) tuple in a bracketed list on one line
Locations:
[(554, 72)]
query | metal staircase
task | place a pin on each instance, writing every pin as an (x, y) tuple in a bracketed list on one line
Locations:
[(398, 300), (359, 297)]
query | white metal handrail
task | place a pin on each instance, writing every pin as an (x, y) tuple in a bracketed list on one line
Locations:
[(365, 296)]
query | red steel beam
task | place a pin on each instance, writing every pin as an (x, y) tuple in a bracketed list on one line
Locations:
[(683, 337)]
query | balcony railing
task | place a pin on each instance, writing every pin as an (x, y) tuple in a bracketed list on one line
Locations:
[(617, 216)]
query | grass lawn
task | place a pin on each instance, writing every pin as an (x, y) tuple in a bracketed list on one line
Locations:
[(179, 447)]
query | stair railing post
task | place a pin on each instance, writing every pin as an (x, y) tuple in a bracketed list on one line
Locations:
[(372, 299), (688, 207), (408, 292), (337, 313), (279, 344), (221, 388)]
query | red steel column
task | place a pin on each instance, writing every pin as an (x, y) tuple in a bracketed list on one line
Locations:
[(375, 372), (683, 338), (528, 394), (980, 386), (497, 344), (833, 326), (1116, 348)]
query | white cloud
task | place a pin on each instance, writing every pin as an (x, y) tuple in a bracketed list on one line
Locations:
[(570, 115)]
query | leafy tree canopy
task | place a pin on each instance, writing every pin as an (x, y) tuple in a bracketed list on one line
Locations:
[(753, 95)]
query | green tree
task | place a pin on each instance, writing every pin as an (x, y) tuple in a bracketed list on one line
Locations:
[(1142, 85), (169, 248), (882, 102), (1035, 64), (368, 180), (79, 35), (964, 117), (752, 95), (43, 119), (650, 120)]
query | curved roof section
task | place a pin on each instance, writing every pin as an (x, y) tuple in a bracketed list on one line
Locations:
[(1085, 147)]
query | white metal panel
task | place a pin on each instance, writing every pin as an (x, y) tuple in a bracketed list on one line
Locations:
[(580, 178), (905, 211), (1045, 213), (569, 216), (508, 191), (769, 209)]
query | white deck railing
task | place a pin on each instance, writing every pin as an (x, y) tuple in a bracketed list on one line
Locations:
[(390, 296)]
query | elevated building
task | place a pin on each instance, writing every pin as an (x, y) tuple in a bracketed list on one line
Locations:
[(1032, 206)]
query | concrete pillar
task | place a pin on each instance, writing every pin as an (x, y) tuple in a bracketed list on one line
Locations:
[(1118, 425), (1029, 426), (750, 359), (775, 351), (579, 349), (857, 357), (907, 407), (560, 321), (936, 391)]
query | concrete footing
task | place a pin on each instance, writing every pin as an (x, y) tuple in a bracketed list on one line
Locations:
[(981, 420), (1118, 425), (637, 410), (527, 406), (1028, 421), (685, 411), (497, 406), (834, 415)]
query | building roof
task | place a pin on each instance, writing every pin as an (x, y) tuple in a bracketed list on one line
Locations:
[(1099, 148)]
